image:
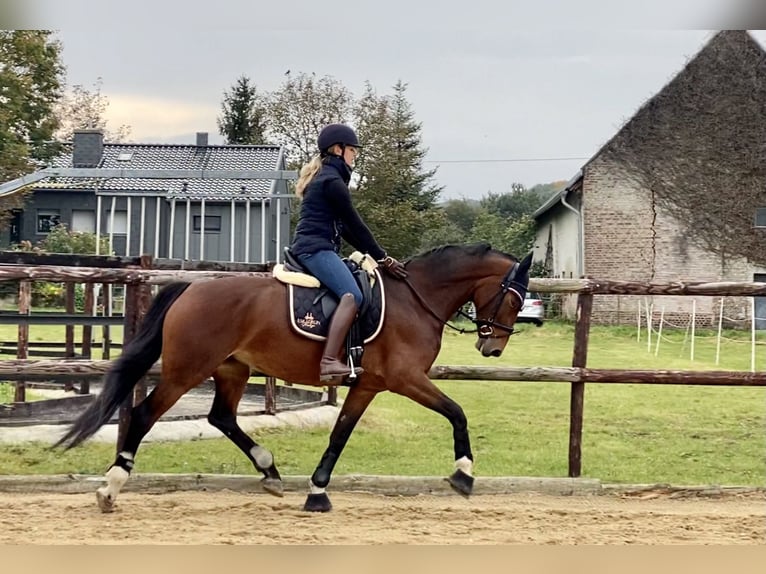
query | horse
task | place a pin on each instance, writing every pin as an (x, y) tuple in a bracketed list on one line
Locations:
[(229, 327)]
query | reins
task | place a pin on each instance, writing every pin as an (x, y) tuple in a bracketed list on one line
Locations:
[(485, 328), (428, 308)]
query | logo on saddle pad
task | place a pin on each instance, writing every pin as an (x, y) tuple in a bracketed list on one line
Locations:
[(308, 322)]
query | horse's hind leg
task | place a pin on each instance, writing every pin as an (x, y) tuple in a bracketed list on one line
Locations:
[(142, 418), (230, 380)]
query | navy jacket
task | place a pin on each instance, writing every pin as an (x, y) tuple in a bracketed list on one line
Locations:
[(327, 215)]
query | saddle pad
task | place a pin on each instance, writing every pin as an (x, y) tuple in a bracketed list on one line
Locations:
[(311, 310), (293, 277)]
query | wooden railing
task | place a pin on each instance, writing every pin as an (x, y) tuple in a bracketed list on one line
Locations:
[(139, 273)]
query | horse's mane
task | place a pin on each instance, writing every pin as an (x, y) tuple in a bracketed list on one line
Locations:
[(473, 249)]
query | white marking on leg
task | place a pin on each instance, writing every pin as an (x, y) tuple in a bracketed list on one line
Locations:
[(116, 477), (262, 457), (465, 464), (314, 489)]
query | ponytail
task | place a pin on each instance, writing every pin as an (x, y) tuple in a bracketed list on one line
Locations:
[(308, 171)]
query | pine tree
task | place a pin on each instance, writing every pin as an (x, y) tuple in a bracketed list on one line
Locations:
[(395, 194), (242, 119)]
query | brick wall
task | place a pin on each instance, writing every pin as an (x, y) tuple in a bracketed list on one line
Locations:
[(629, 237)]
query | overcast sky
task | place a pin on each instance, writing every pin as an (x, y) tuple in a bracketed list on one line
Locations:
[(495, 84)]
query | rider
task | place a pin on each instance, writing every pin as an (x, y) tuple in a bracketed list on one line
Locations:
[(326, 216)]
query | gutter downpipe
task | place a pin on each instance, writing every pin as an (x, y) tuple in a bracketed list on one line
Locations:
[(580, 233)]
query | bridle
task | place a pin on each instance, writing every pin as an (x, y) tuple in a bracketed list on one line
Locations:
[(484, 327)]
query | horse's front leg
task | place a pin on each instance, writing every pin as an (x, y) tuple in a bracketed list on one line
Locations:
[(353, 407), (424, 392)]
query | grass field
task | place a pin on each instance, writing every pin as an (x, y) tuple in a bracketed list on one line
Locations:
[(632, 433)]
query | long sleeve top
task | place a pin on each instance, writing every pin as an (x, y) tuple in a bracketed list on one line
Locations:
[(327, 215)]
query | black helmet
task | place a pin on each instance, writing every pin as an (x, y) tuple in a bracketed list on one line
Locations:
[(336, 134)]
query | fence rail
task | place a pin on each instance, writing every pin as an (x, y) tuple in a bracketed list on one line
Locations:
[(59, 319), (138, 278)]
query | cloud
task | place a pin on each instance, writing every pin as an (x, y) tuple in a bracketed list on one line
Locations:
[(154, 119)]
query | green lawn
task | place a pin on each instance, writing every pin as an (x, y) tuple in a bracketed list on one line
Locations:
[(632, 433)]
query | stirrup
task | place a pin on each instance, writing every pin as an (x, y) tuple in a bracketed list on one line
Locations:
[(351, 372), (350, 375)]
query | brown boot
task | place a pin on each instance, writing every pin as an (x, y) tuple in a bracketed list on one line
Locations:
[(331, 367)]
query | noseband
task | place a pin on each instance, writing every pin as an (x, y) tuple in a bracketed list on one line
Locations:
[(484, 327)]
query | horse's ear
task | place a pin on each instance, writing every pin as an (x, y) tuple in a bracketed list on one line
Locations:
[(526, 263)]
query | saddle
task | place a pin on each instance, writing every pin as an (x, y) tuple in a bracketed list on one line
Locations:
[(311, 305)]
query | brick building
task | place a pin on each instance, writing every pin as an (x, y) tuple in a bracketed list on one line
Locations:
[(608, 225)]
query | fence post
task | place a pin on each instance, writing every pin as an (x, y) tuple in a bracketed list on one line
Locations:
[(105, 330), (22, 346), (87, 335), (144, 301), (69, 329), (130, 323), (269, 396), (332, 395), (579, 359)]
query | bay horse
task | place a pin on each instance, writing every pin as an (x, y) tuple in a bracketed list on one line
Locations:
[(228, 327)]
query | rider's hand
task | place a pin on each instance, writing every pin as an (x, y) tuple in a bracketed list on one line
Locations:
[(394, 267)]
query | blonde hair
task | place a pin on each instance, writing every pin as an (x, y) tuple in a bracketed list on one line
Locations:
[(308, 171)]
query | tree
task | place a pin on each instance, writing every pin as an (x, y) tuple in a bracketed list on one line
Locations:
[(516, 236), (395, 195), (545, 191), (462, 213), (300, 108), (452, 223), (242, 119), (513, 204), (85, 109), (31, 73)]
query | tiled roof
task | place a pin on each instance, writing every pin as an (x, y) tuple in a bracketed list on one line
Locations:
[(164, 156)]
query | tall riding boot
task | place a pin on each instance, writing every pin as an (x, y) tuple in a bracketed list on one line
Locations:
[(331, 367)]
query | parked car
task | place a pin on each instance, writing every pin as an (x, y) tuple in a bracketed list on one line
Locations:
[(533, 310)]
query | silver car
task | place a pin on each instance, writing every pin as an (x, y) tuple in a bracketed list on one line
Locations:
[(533, 310)]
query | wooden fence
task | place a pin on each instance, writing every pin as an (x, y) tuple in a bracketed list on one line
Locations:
[(139, 277), (137, 274)]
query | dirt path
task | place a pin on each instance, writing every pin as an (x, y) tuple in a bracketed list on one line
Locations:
[(236, 518)]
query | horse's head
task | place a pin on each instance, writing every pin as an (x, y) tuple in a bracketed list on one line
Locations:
[(498, 299), (454, 274)]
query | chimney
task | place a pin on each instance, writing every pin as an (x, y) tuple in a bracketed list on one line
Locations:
[(201, 139), (88, 148)]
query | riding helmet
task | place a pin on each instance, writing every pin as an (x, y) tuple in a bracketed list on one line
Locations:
[(336, 134)]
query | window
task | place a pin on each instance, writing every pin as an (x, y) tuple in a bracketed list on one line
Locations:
[(120, 222), (212, 223), (760, 217), (47, 219), (84, 220), (125, 156)]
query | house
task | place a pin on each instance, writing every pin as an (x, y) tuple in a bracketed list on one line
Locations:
[(218, 219), (678, 194)]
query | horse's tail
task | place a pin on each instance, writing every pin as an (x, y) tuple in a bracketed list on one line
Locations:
[(136, 359)]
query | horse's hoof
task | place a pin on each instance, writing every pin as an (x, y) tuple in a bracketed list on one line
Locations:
[(461, 483), (105, 502), (273, 486), (318, 503)]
